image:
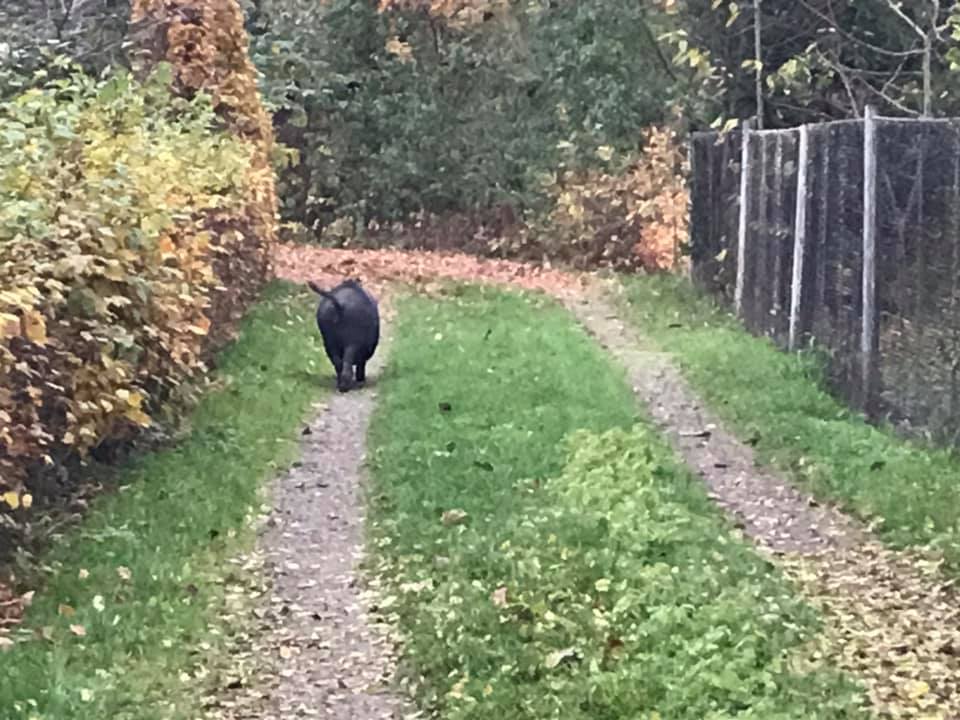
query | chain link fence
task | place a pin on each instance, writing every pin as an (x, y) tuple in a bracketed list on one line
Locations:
[(715, 188), (871, 277)]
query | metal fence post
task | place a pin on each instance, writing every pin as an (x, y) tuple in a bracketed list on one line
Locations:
[(744, 216), (868, 335), (799, 237)]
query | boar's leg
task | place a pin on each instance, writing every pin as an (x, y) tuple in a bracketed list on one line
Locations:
[(337, 360), (345, 371), (361, 369)]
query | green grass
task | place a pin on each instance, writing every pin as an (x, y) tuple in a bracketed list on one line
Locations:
[(544, 554), (778, 402), (176, 519)]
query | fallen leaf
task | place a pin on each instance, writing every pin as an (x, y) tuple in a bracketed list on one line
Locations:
[(454, 517), (499, 597), (78, 630), (34, 327), (65, 611), (558, 656)]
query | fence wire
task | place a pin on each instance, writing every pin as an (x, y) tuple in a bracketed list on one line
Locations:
[(918, 274), (914, 364), (768, 265), (830, 314), (715, 195)]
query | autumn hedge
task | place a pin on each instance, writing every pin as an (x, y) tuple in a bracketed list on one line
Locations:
[(135, 222)]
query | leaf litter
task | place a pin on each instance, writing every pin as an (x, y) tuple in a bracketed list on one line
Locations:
[(377, 268)]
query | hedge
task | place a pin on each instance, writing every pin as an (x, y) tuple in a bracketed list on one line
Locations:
[(136, 215)]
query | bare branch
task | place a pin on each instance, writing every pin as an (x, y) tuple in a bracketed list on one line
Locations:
[(895, 6), (835, 26)]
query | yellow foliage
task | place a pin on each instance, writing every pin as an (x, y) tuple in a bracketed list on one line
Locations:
[(456, 14), (132, 234), (205, 42), (634, 218)]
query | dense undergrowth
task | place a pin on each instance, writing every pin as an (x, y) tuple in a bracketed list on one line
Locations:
[(545, 555), (138, 604), (778, 402), (499, 128)]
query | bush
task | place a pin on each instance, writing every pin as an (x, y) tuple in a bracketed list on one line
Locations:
[(114, 199), (627, 218), (409, 107)]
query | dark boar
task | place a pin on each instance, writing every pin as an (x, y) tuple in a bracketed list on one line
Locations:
[(349, 321)]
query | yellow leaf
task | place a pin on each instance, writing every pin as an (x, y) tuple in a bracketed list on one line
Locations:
[(138, 416), (9, 325), (400, 49), (201, 326), (487, 690), (27, 501), (12, 499), (918, 689)]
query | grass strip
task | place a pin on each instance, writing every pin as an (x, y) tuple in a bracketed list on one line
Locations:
[(779, 403), (138, 599), (543, 554)]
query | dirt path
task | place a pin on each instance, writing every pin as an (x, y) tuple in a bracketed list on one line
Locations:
[(322, 655), (891, 619)]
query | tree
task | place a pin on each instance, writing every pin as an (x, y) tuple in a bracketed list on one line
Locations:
[(91, 33), (408, 107), (823, 59)]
